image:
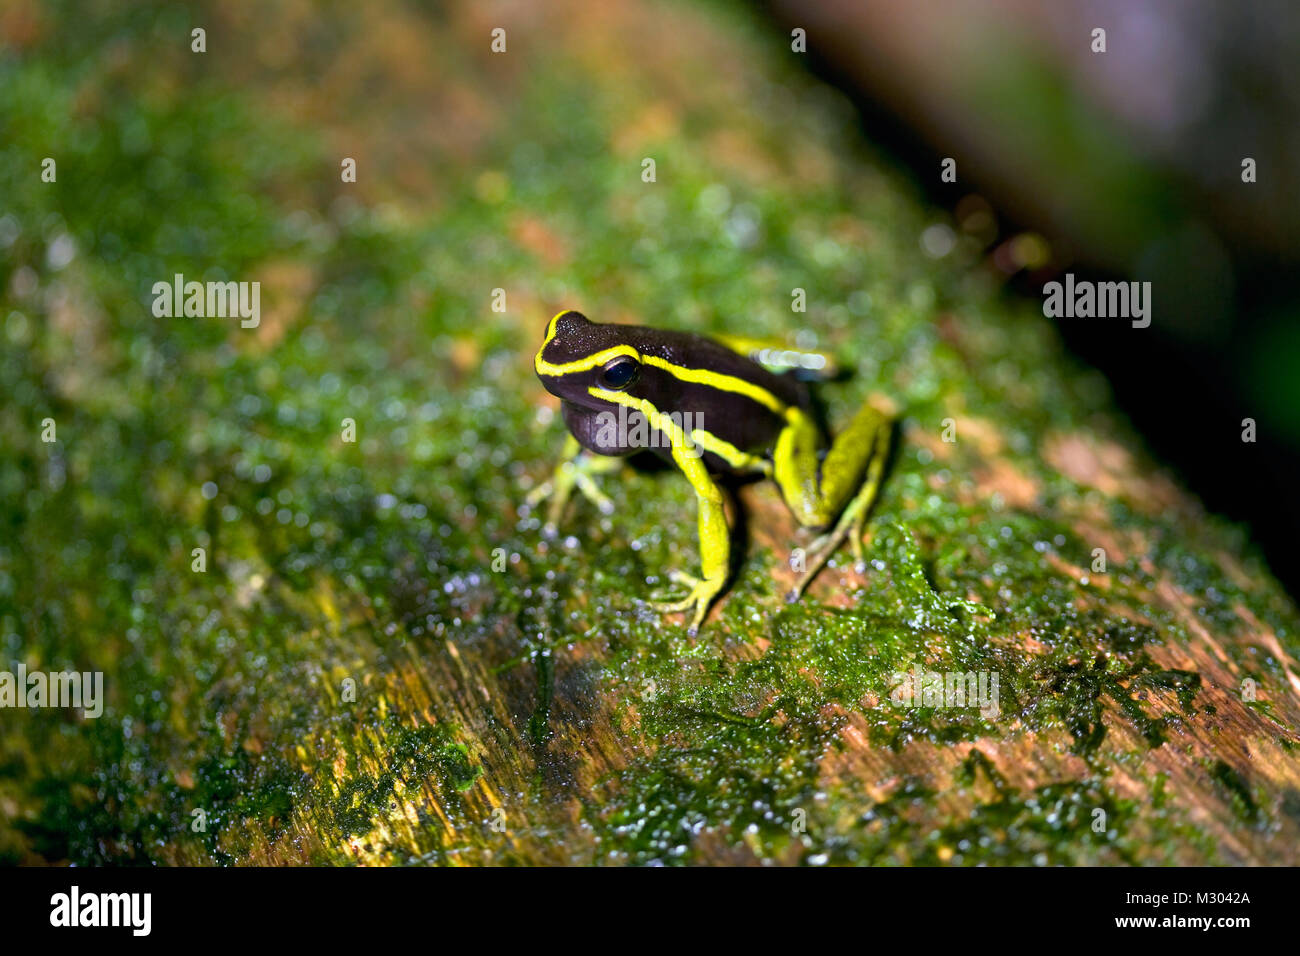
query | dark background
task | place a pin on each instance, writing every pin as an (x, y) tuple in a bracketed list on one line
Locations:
[(1128, 162)]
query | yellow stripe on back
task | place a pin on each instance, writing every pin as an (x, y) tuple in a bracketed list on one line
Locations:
[(677, 435), (725, 383), (730, 453)]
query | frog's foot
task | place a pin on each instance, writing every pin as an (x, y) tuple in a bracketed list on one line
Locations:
[(852, 525), (815, 557), (559, 488), (702, 593)]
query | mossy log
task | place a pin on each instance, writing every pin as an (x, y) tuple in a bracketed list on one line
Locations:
[(381, 659)]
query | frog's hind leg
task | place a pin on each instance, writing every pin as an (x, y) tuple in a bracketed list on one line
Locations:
[(842, 489)]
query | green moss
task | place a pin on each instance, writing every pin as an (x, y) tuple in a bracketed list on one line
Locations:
[(415, 754), (1242, 801)]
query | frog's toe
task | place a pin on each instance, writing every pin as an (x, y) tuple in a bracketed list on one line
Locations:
[(703, 591), (858, 537), (701, 608), (593, 494), (681, 577), (538, 494), (819, 552), (818, 544), (673, 607)]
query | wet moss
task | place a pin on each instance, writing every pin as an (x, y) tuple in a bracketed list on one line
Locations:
[(1242, 801)]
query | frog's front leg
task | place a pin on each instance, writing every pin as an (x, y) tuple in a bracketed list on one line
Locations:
[(845, 484), (715, 540), (576, 467)]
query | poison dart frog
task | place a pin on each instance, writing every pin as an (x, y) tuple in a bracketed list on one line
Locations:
[(711, 407)]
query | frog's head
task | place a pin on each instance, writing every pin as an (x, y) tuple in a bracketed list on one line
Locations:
[(580, 358)]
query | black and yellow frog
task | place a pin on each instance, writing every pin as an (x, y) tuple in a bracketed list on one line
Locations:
[(711, 408)]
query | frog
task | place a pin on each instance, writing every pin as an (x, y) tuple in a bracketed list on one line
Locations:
[(712, 407)]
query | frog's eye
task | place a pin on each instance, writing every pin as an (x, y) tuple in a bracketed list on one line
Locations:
[(620, 373)]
